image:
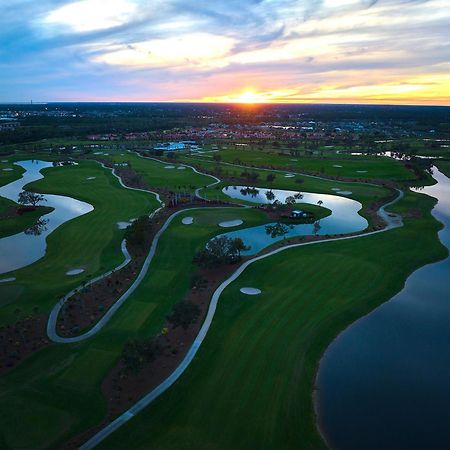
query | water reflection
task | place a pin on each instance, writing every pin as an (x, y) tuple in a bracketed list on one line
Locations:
[(24, 248), (344, 216), (384, 383)]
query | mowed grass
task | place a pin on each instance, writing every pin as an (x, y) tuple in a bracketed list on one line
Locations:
[(362, 192), (156, 175), (375, 167), (91, 241), (61, 384), (250, 386), (444, 166)]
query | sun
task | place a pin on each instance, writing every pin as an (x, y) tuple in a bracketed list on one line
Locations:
[(249, 97)]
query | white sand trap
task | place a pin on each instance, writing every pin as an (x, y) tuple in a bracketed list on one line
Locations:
[(91, 178), (8, 169), (6, 280), (181, 168), (98, 153), (361, 171), (336, 165), (231, 223), (169, 167), (250, 291), (187, 220), (289, 175), (293, 160), (106, 154), (123, 225), (73, 272), (335, 189), (4, 160), (344, 192)]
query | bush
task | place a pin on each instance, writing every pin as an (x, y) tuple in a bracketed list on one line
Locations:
[(184, 314)]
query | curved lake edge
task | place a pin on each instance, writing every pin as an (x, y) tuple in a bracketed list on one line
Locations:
[(154, 393), (29, 248), (443, 226)]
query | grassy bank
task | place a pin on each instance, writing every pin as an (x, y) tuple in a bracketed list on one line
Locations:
[(60, 385), (250, 385), (91, 241)]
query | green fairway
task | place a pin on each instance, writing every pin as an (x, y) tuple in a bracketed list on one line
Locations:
[(342, 165), (250, 385), (91, 241), (61, 384), (444, 166), (157, 175), (362, 192)]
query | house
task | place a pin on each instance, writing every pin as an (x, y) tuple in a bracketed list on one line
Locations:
[(297, 214)]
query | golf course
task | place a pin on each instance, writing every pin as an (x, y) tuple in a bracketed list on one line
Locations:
[(251, 382)]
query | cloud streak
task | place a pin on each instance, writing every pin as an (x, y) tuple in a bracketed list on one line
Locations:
[(200, 50)]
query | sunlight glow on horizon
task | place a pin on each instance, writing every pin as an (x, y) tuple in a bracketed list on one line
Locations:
[(238, 51)]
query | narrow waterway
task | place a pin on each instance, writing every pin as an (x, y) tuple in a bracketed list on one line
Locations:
[(22, 249), (384, 383), (344, 217)]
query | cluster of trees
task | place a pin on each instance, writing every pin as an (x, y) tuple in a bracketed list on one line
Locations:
[(138, 232), (137, 353), (184, 314), (30, 198), (219, 251), (250, 176)]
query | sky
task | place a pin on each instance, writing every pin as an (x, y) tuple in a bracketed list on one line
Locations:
[(314, 51)]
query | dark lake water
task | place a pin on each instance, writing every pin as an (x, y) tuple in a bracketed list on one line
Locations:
[(384, 383)]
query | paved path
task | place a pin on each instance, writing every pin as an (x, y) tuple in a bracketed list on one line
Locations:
[(392, 221), (53, 317)]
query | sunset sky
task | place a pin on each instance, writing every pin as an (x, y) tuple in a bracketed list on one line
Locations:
[(328, 51)]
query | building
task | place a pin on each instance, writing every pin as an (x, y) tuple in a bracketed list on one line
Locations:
[(8, 124), (297, 214)]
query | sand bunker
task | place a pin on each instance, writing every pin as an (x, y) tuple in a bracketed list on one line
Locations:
[(181, 168), (169, 167), (335, 189), (72, 272), (250, 291), (123, 225), (4, 160), (361, 171), (187, 220), (8, 169), (344, 192), (98, 153), (336, 165), (5, 280), (289, 175), (231, 223), (91, 178)]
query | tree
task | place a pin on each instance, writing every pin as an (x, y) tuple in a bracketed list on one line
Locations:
[(239, 246), (184, 314), (290, 200), (270, 195), (316, 228), (30, 198), (138, 232), (277, 229), (320, 202), (219, 251), (270, 178)]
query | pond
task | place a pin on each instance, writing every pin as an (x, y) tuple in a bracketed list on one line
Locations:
[(384, 383), (22, 249), (344, 216)]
